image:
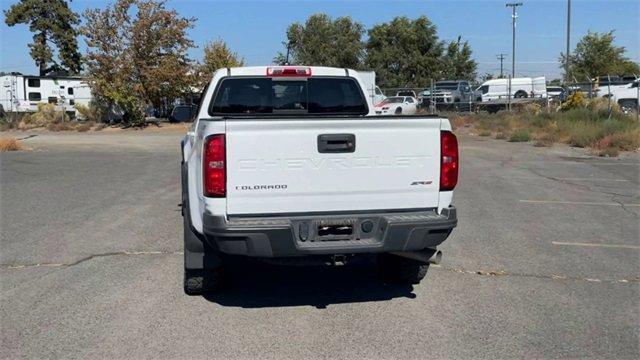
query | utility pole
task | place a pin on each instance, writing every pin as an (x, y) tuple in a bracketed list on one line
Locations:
[(514, 16), (501, 58), (567, 57)]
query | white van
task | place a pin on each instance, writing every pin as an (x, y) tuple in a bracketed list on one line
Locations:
[(498, 89)]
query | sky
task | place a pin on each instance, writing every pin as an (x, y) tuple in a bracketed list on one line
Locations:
[(256, 29)]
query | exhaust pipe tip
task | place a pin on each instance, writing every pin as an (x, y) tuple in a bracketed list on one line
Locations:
[(436, 258)]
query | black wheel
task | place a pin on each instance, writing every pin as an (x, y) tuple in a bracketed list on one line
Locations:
[(201, 281), (203, 267), (399, 111), (210, 277), (628, 106), (398, 270), (521, 94)]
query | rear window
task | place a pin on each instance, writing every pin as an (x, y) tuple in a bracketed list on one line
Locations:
[(263, 95)]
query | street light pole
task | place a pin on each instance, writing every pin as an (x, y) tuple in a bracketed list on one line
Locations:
[(514, 16), (567, 58)]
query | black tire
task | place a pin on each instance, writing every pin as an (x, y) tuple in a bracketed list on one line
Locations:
[(208, 279), (521, 94), (398, 111), (199, 281), (628, 106), (398, 270), (202, 281)]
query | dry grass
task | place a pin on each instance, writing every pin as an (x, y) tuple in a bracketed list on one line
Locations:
[(64, 126), (460, 121), (545, 139), (583, 124), (85, 127), (610, 145), (10, 144)]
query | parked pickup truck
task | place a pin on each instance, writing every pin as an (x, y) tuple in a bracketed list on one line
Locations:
[(450, 94), (284, 163)]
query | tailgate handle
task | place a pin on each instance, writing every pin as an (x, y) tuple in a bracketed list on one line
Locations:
[(336, 143)]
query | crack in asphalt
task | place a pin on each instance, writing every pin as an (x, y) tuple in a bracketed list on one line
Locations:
[(87, 258), (614, 195), (495, 273), (498, 273)]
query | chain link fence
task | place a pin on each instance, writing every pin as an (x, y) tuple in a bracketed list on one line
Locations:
[(504, 94)]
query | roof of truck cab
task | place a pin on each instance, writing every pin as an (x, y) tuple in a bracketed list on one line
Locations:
[(315, 70)]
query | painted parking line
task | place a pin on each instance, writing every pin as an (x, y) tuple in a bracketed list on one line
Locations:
[(592, 179), (576, 203), (617, 246), (537, 178)]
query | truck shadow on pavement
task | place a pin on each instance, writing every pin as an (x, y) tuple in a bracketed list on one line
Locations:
[(260, 285)]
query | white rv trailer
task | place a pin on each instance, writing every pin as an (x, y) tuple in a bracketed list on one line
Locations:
[(22, 93)]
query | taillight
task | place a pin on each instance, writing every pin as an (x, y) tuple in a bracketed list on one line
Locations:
[(214, 167), (448, 161), (302, 71)]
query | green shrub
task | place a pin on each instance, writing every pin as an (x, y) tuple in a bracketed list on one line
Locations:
[(520, 135)]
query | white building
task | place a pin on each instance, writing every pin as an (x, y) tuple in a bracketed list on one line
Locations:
[(22, 93)]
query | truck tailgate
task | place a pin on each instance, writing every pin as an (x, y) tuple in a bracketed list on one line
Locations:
[(304, 166)]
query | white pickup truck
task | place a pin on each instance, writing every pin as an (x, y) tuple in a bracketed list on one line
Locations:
[(288, 163)]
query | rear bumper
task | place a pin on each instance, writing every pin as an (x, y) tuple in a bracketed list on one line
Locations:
[(298, 235)]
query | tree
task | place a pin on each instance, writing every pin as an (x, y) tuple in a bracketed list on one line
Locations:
[(404, 52), (52, 22), (322, 41), (217, 55), (596, 55), (137, 55), (457, 62)]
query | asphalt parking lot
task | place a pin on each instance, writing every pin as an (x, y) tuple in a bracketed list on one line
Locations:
[(545, 263)]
